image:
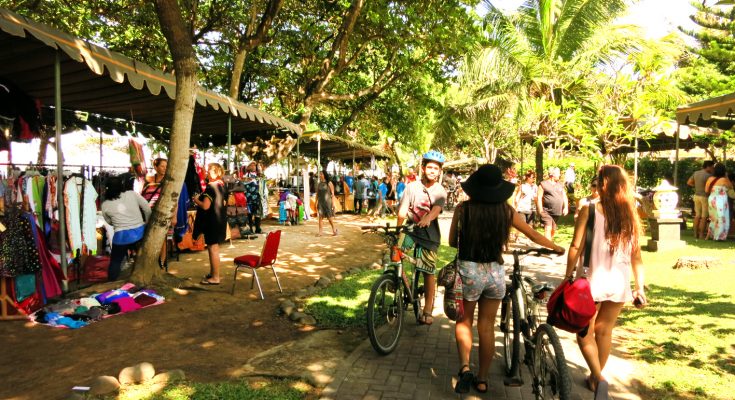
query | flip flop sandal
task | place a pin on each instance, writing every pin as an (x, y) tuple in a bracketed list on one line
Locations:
[(465, 380), (208, 283), (601, 391), (477, 383), (207, 277), (426, 319)]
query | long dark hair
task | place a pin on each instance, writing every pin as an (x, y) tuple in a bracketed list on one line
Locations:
[(487, 231), (622, 224)]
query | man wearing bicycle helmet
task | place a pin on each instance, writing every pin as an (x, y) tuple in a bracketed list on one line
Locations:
[(421, 205)]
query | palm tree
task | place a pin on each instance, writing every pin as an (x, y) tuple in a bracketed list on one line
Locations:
[(539, 54)]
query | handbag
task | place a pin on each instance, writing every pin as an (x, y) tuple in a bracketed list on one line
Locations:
[(571, 306), (451, 280)]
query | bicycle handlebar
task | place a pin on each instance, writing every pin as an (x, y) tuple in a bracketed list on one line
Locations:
[(387, 228), (538, 251)]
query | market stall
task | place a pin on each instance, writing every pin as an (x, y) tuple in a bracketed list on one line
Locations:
[(47, 65), (317, 144)]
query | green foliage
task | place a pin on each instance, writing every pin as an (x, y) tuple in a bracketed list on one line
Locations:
[(715, 35), (701, 79), (676, 362)]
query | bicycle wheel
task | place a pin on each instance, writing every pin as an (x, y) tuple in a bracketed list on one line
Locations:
[(511, 315), (385, 313), (551, 379)]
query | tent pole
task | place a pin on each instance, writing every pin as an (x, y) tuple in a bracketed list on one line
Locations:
[(60, 167), (318, 156), (229, 141), (298, 162), (676, 157)]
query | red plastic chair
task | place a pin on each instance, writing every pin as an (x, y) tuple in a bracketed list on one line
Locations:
[(266, 259)]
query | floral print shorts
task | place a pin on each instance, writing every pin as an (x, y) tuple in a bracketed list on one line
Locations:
[(482, 279)]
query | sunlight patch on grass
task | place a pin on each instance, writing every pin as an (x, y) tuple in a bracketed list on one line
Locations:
[(278, 390), (685, 337), (342, 304)]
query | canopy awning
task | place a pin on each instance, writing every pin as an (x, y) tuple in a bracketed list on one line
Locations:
[(337, 148), (717, 112), (101, 81)]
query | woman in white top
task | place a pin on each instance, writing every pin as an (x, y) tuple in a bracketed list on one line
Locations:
[(125, 211), (616, 254), (525, 196)]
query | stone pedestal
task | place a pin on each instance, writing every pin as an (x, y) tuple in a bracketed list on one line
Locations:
[(665, 234)]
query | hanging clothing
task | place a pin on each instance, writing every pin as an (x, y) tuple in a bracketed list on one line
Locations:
[(137, 157), (18, 248), (81, 215), (181, 213)]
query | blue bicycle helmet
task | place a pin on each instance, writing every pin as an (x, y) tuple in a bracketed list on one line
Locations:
[(433, 155)]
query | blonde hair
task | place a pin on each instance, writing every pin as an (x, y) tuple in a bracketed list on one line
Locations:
[(217, 170)]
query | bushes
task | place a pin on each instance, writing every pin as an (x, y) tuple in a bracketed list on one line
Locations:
[(652, 170)]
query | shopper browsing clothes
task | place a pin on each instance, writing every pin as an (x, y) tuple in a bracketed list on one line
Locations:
[(127, 212), (480, 230), (211, 220)]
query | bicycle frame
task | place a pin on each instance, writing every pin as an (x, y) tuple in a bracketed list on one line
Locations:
[(397, 268)]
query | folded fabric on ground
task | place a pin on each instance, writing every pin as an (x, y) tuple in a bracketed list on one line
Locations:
[(78, 313)]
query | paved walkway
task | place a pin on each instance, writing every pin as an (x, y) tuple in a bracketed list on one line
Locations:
[(425, 364)]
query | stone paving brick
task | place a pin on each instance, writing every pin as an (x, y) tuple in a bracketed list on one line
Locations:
[(373, 395), (425, 365)]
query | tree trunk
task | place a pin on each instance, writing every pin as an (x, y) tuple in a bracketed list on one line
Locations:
[(305, 118), (237, 73), (185, 64), (539, 162)]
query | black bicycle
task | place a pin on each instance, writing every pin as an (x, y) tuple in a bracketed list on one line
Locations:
[(392, 292), (519, 319)]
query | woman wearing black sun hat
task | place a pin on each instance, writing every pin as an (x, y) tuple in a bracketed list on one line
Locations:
[(480, 229)]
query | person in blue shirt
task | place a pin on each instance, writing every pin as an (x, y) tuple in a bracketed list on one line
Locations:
[(400, 187), (349, 180)]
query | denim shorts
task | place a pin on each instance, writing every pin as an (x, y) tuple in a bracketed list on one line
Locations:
[(482, 279)]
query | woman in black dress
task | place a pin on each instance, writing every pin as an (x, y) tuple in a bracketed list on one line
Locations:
[(211, 220)]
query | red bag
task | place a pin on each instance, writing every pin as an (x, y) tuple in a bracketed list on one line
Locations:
[(95, 269), (571, 306)]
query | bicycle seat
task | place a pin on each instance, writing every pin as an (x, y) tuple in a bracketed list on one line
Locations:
[(542, 287)]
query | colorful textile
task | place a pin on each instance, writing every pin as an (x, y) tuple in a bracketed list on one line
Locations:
[(719, 213), (18, 249)]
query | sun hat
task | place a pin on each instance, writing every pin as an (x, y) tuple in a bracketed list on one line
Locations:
[(487, 185)]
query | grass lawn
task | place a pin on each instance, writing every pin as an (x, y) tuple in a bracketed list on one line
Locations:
[(343, 304), (685, 338), (267, 390)]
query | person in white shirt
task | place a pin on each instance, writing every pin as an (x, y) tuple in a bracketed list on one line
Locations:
[(127, 212), (570, 176)]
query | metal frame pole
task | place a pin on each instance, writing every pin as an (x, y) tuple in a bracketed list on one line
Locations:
[(676, 157), (229, 141), (60, 168)]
